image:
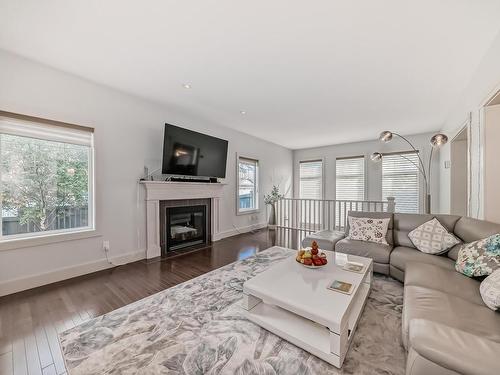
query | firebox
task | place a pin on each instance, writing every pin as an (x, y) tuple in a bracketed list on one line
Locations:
[(183, 227)]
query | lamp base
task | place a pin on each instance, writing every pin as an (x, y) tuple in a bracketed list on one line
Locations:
[(427, 204)]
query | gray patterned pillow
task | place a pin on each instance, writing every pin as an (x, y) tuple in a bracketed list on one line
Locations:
[(490, 290), (368, 229), (432, 238)]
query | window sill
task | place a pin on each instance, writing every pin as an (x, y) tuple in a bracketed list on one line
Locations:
[(247, 212), (19, 243)]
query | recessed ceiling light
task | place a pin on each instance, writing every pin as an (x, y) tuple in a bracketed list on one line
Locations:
[(186, 85), (243, 112)]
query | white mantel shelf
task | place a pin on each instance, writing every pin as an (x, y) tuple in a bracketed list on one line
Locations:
[(157, 191), (168, 190)]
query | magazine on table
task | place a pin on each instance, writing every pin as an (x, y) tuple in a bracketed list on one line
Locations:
[(354, 267), (341, 287)]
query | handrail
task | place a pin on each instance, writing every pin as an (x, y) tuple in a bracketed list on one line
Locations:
[(311, 215)]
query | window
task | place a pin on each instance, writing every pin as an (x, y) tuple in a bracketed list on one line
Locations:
[(46, 177), (400, 179), (350, 178), (248, 185), (311, 179)]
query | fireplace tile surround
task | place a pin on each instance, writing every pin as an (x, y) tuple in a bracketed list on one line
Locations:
[(178, 193)]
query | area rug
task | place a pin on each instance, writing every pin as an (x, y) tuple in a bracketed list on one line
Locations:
[(198, 327)]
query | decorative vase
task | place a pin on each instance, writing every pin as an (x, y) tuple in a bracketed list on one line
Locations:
[(272, 217)]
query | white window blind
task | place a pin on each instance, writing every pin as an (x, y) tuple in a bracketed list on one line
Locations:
[(311, 179), (46, 132), (400, 179), (350, 178)]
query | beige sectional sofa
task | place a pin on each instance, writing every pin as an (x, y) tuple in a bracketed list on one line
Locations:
[(446, 327)]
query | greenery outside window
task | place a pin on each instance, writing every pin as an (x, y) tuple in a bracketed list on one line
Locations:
[(46, 177)]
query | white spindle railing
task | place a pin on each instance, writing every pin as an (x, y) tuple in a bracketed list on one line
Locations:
[(311, 215)]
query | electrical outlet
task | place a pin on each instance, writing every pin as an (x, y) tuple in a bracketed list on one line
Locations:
[(105, 246)]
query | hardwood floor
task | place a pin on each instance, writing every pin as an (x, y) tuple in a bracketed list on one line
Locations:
[(31, 320)]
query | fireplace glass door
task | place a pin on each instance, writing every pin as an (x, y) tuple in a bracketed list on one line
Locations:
[(186, 226)]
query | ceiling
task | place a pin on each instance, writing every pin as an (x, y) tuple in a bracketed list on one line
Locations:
[(307, 73)]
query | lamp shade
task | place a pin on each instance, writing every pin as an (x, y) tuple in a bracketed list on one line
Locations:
[(376, 157), (439, 140), (385, 136)]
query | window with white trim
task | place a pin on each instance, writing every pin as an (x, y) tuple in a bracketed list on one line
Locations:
[(350, 178), (311, 179), (46, 176), (248, 185), (400, 179)]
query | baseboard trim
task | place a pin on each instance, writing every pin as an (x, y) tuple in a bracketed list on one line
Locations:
[(236, 231), (33, 281)]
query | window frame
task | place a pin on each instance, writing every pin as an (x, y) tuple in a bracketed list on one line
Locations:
[(322, 183), (365, 180), (256, 209), (22, 240), (420, 189)]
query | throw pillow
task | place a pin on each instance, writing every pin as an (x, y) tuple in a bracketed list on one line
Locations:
[(479, 258), (368, 229), (490, 290), (432, 238)]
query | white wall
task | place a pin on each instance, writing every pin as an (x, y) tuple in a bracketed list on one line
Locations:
[(467, 111), (128, 135), (373, 170)]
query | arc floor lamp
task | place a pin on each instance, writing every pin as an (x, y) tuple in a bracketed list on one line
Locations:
[(437, 140)]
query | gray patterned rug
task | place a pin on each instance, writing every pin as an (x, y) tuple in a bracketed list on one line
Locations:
[(198, 328)]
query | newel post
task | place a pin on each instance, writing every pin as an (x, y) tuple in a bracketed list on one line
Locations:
[(391, 204)]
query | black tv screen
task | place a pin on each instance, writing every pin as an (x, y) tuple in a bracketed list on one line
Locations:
[(189, 153)]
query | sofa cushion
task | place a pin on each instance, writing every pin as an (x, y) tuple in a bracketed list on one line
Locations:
[(447, 309), (445, 280), (469, 229), (405, 223), (479, 258), (453, 253), (368, 229), (374, 215), (326, 239), (401, 255), (432, 238), (444, 350), (378, 252), (490, 290)]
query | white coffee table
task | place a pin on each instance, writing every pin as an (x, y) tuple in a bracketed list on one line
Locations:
[(294, 303)]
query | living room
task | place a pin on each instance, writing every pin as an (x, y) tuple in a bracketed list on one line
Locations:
[(120, 254)]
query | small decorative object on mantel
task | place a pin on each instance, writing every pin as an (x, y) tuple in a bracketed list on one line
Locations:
[(271, 199)]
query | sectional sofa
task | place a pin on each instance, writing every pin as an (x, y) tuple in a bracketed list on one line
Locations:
[(446, 327)]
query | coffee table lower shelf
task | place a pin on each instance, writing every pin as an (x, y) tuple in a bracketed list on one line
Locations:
[(304, 333)]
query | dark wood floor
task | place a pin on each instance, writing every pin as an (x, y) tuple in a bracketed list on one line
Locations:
[(31, 320)]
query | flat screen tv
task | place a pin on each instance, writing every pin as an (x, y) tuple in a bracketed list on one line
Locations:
[(189, 153)]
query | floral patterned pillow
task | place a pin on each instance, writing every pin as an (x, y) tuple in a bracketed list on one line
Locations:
[(479, 258), (368, 229)]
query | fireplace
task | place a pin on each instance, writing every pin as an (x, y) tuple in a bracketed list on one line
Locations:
[(184, 224)]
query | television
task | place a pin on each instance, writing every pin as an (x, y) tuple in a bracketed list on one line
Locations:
[(189, 153)]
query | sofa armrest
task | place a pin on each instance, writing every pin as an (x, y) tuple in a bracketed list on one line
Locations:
[(451, 349)]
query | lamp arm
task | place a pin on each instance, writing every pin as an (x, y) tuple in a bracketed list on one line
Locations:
[(416, 165), (418, 155), (430, 163)]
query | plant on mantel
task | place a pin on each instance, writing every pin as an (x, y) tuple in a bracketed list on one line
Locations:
[(270, 200)]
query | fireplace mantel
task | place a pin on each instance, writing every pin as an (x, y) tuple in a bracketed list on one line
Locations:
[(157, 191)]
